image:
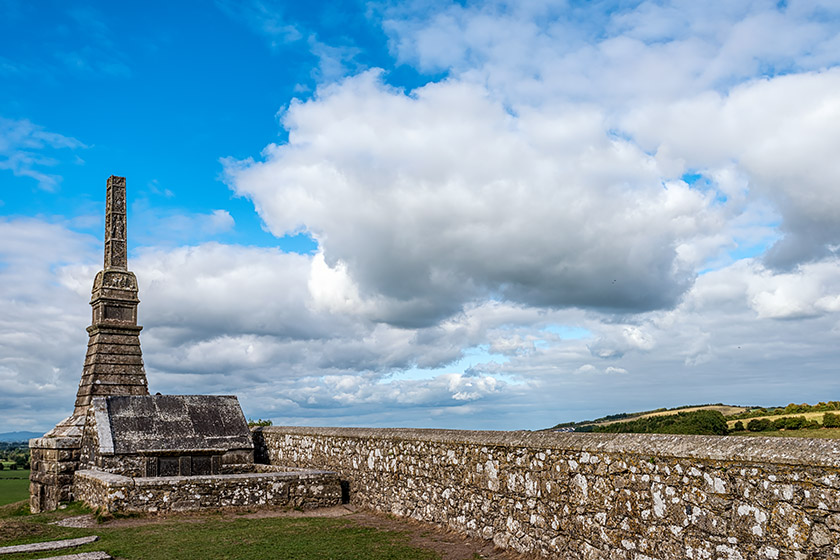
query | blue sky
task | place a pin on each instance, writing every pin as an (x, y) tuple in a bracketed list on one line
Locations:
[(180, 86), (435, 214)]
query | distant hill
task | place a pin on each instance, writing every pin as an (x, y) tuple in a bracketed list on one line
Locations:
[(739, 420), (587, 425), (19, 436)]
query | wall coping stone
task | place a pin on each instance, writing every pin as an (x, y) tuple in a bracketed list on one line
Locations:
[(773, 450), (95, 555), (63, 442), (112, 479)]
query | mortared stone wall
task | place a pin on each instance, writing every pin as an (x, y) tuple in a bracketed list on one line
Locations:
[(589, 496)]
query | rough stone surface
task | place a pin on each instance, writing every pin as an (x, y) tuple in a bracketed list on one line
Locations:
[(171, 423), (95, 555), (269, 488), (590, 496), (165, 435), (53, 460), (48, 545)]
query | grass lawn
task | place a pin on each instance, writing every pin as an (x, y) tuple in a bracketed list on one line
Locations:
[(20, 473), (213, 536), (14, 486)]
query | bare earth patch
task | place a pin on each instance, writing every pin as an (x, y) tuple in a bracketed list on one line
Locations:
[(448, 544)]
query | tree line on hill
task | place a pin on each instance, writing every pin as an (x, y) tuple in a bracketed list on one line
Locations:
[(792, 408), (708, 422), (703, 422), (830, 420), (578, 426), (14, 455)]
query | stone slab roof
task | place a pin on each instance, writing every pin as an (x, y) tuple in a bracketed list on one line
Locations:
[(169, 423)]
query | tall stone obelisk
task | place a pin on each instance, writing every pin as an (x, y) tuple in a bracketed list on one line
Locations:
[(113, 364)]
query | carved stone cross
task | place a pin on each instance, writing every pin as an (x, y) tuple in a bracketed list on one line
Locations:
[(116, 256)]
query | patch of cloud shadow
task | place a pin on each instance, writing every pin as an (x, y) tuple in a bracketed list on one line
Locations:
[(811, 243)]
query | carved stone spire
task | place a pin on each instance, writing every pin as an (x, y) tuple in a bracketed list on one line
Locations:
[(114, 361), (116, 256)]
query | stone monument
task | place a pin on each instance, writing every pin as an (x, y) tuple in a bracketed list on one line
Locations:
[(113, 363), (125, 450)]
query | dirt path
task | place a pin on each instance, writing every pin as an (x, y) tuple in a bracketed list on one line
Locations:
[(448, 544)]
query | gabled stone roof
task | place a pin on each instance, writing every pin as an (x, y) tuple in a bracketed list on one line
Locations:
[(168, 423)]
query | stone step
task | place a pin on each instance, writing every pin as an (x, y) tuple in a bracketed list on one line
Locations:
[(95, 555), (113, 359), (125, 377), (49, 545)]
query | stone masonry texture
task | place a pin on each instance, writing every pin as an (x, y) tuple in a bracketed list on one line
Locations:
[(590, 496), (116, 493)]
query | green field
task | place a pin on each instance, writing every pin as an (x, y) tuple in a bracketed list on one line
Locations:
[(822, 433), (818, 416), (14, 486), (646, 422), (725, 409), (20, 473), (214, 536)]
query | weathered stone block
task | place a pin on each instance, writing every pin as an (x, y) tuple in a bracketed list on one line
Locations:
[(124, 377), (305, 489), (135, 360), (115, 349)]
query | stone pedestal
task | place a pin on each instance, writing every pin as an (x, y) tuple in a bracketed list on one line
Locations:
[(54, 460), (113, 365)]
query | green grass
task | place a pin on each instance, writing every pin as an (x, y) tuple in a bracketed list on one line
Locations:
[(14, 486), (215, 537), (20, 473)]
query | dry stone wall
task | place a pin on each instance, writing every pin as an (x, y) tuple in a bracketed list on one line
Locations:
[(590, 496)]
